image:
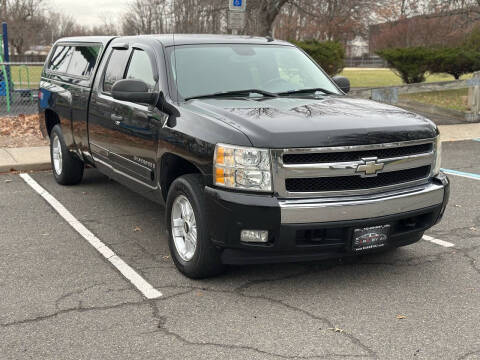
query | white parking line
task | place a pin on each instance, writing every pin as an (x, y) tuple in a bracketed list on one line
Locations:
[(462, 174), (139, 282), (437, 241)]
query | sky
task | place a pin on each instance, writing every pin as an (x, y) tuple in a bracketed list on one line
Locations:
[(89, 12)]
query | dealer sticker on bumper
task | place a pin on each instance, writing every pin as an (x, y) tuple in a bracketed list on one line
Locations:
[(373, 237)]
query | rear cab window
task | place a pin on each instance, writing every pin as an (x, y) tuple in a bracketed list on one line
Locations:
[(60, 59), (75, 60), (83, 60)]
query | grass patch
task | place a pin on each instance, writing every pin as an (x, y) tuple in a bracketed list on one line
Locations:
[(385, 77), (450, 99), (26, 75)]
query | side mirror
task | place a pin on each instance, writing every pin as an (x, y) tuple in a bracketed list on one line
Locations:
[(134, 91), (343, 83)]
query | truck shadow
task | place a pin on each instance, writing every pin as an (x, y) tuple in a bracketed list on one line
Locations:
[(134, 228)]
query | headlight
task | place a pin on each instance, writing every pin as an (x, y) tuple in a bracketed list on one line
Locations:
[(438, 156), (242, 168)]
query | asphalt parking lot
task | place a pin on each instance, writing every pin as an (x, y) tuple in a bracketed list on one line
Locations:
[(60, 299)]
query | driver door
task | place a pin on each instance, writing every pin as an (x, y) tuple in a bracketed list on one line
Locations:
[(123, 134), (137, 125)]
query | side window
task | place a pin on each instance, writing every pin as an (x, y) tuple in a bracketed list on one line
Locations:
[(115, 68), (83, 60), (61, 58), (140, 68)]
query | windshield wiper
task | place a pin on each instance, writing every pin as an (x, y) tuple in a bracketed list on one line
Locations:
[(234, 93), (305, 91)]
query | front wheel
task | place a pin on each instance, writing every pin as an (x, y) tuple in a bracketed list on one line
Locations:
[(192, 251), (67, 169)]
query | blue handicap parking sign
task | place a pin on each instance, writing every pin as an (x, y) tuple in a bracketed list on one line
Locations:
[(237, 3)]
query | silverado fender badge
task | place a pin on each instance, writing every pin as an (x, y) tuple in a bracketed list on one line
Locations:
[(370, 167), (144, 162)]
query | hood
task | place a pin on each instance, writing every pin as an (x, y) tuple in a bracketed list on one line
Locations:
[(327, 121)]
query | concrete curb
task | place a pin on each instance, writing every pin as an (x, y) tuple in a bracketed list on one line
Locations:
[(25, 159)]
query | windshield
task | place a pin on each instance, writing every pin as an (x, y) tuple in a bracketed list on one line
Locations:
[(209, 69)]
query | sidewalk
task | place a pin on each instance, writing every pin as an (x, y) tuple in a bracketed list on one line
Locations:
[(460, 132), (25, 159), (38, 158)]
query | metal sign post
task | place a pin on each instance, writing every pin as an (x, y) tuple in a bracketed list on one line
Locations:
[(236, 15)]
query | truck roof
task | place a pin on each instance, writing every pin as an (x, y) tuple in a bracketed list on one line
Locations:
[(188, 39), (184, 39)]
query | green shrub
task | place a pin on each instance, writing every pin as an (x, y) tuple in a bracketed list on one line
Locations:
[(411, 64), (472, 42), (454, 61), (330, 55)]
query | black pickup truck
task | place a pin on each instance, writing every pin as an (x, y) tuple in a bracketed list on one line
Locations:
[(258, 155)]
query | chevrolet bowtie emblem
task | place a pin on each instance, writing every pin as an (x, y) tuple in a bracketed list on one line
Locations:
[(370, 167)]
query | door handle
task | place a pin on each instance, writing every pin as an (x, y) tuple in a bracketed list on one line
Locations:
[(117, 119)]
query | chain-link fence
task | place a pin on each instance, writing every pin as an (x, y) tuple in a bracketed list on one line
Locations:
[(19, 84), (365, 62)]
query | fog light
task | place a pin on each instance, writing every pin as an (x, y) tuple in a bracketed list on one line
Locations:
[(254, 236)]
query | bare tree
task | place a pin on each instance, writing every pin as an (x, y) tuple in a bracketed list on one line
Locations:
[(146, 17), (425, 23), (108, 27), (197, 16), (261, 15), (340, 20), (25, 21), (32, 23), (3, 10)]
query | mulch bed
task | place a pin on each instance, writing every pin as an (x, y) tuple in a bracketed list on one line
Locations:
[(21, 131)]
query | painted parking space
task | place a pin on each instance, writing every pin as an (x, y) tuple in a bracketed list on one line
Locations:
[(131, 275)]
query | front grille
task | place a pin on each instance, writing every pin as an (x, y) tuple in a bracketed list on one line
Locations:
[(331, 157), (339, 183), (337, 171)]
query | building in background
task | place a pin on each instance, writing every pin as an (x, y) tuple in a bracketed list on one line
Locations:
[(38, 50), (357, 47)]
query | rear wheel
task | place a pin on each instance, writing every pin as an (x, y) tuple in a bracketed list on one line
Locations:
[(67, 169), (192, 251)]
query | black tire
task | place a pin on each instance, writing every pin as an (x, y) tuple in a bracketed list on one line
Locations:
[(71, 170), (206, 260)]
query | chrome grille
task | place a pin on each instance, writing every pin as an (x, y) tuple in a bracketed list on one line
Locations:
[(312, 158), (340, 171), (356, 182)]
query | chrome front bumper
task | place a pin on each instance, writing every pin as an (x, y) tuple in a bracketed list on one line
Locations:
[(301, 211)]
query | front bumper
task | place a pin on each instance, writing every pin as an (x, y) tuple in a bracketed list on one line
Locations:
[(313, 229)]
